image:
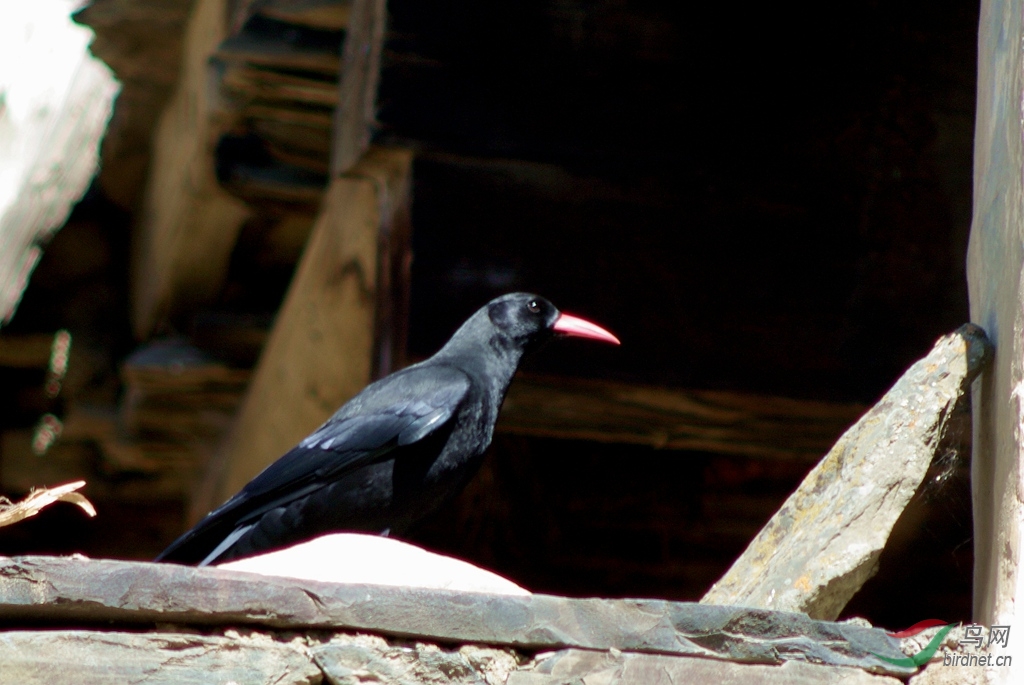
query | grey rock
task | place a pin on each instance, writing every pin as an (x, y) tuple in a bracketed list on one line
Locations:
[(65, 590), (574, 666), (95, 658), (824, 542), (936, 673), (355, 659)]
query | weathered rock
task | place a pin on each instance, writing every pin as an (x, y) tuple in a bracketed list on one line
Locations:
[(62, 590), (91, 658), (824, 542), (938, 674), (601, 668), (355, 659)]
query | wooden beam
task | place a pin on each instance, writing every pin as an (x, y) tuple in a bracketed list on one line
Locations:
[(141, 41), (28, 351), (244, 49), (190, 224), (995, 260), (360, 73), (327, 15), (321, 349), (699, 420), (245, 81)]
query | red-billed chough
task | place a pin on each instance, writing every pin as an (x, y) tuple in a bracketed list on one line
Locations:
[(393, 453)]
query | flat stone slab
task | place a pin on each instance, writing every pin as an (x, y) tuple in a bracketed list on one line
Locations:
[(251, 658), (79, 591), (601, 668), (359, 659), (91, 658)]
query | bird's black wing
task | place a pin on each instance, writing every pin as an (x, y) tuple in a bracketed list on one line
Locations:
[(393, 412)]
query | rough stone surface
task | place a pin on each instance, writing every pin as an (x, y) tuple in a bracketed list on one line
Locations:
[(250, 658), (824, 542), (938, 674), (605, 668), (64, 590), (354, 659), (87, 658)]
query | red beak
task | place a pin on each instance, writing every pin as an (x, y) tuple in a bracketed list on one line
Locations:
[(566, 324)]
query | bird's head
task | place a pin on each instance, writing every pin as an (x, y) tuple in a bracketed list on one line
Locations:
[(494, 339), (528, 319)]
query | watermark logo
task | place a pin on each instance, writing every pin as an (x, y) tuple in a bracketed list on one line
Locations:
[(974, 636), (923, 656)]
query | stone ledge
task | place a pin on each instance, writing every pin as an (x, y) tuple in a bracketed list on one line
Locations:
[(65, 592)]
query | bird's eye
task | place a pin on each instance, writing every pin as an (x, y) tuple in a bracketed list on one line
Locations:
[(533, 306)]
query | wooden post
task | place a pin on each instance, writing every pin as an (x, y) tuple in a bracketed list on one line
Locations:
[(190, 224), (995, 264), (321, 349), (360, 73)]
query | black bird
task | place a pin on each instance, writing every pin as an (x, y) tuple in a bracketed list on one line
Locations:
[(393, 453)]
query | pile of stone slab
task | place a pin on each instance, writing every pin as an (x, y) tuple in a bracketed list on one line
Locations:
[(130, 622)]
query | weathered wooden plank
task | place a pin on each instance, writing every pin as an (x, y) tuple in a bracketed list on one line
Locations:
[(65, 590), (94, 658), (190, 224), (995, 278), (311, 117), (311, 138), (321, 349), (277, 184), (355, 115), (824, 542), (711, 421), (23, 468), (252, 83), (141, 41), (49, 143), (257, 50), (26, 351), (317, 164), (331, 15)]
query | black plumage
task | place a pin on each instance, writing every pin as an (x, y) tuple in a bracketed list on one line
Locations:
[(396, 451)]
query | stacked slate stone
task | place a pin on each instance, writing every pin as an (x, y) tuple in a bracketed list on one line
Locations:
[(277, 77), (178, 400), (253, 629)]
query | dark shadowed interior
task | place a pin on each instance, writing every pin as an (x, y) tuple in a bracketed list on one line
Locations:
[(755, 198)]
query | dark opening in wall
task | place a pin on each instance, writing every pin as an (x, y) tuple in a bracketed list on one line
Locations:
[(757, 198)]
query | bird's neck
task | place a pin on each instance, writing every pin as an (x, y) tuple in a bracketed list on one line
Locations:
[(489, 356)]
